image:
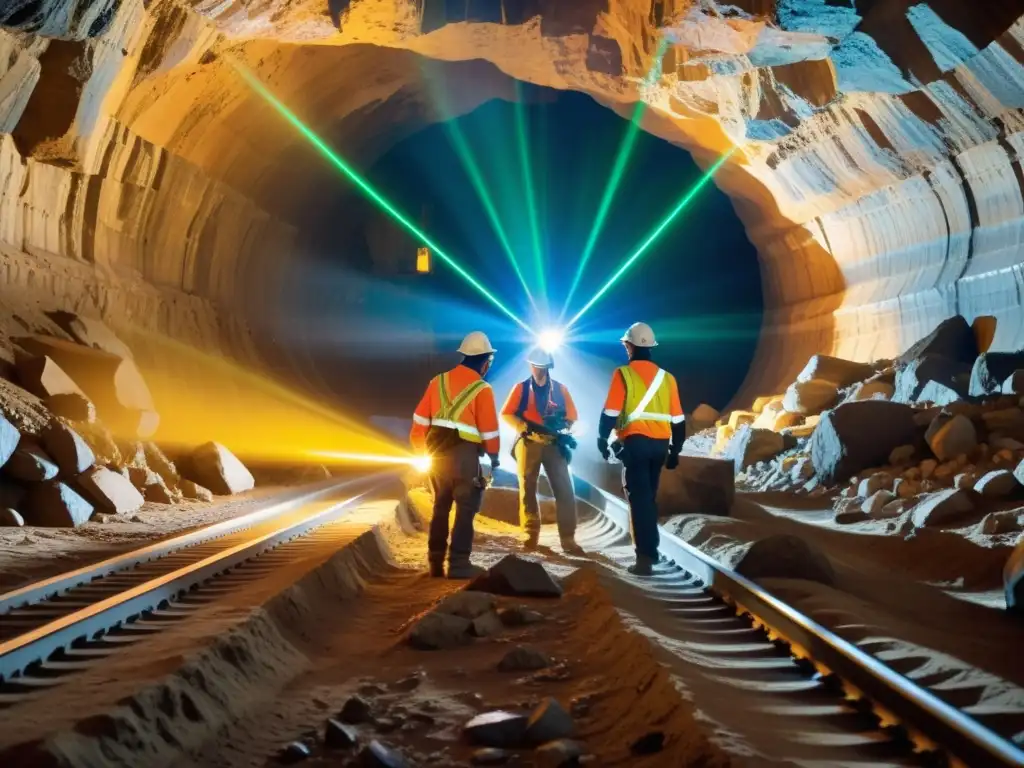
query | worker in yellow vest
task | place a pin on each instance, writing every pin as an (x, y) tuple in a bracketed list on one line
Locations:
[(644, 410)]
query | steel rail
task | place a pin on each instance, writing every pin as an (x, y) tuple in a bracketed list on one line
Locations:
[(95, 619), (897, 698), (61, 583)]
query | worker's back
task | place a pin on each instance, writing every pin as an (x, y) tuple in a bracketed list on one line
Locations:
[(645, 398), (457, 407)]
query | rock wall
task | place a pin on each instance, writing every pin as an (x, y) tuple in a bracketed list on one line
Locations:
[(876, 163)]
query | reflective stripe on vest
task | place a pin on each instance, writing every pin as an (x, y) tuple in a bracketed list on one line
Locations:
[(645, 403), (451, 410)]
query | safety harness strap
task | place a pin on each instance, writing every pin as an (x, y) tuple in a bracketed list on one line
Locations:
[(451, 410)]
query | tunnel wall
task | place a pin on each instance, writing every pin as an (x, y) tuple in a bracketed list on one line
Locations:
[(877, 162)]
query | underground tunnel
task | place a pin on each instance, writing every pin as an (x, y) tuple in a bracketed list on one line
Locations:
[(239, 239)]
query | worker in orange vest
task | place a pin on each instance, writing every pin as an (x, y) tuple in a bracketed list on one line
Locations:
[(530, 404), (644, 410), (456, 423)]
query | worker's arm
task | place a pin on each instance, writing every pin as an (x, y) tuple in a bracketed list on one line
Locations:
[(678, 419), (570, 407), (508, 411), (421, 421), (613, 406), (487, 421)]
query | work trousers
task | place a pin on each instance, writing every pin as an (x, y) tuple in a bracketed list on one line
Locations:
[(642, 460), (530, 457), (455, 478)]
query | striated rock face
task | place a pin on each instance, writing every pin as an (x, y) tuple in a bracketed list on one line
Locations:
[(877, 163)]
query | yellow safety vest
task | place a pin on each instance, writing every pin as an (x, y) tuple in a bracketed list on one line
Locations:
[(451, 411), (643, 403)]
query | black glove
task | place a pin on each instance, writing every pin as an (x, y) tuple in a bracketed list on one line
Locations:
[(602, 446), (672, 461), (494, 461)]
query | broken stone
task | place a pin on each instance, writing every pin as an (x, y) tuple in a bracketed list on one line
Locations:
[(408, 683), (158, 493), (142, 476), (558, 753), (802, 469), (11, 518), (193, 491), (991, 369), (949, 436), (337, 735), (738, 418), (468, 605), (73, 407), (749, 446), (850, 515), (157, 460), (30, 464), (786, 557), (953, 338), (519, 615), (937, 393), (501, 729), (1003, 419), (768, 414), (893, 509), (355, 710), (873, 483), (650, 743), (386, 724), (1014, 384), (941, 508), (490, 756), (835, 371), (965, 481), (524, 659), (515, 576), (41, 376), (487, 625), (858, 435), (928, 467), (901, 454), (872, 390), (55, 505), (109, 491), (294, 752), (548, 722), (101, 443), (1003, 456), (810, 397), (436, 631), (67, 448), (378, 755), (997, 484), (873, 506), (699, 485), (1013, 579), (93, 333), (913, 378), (213, 466), (1008, 521), (9, 439)]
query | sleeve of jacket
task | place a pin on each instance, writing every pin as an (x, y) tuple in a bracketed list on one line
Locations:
[(421, 421), (570, 407), (487, 420), (678, 420), (508, 411), (675, 405), (613, 406)]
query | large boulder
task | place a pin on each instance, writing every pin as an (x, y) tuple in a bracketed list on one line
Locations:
[(30, 464), (950, 436), (984, 327), (783, 556), (56, 505), (702, 417), (698, 485), (835, 370), (41, 376), (113, 383), (157, 460), (109, 491), (67, 448), (93, 333), (194, 491), (215, 467), (9, 439), (952, 338), (1013, 579), (876, 389), (913, 377), (810, 397), (858, 435), (749, 446), (992, 369)]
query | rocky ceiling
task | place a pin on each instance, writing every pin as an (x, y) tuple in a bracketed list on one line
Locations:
[(877, 162)]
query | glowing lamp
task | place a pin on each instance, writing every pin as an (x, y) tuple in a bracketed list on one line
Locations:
[(421, 463), (551, 339)]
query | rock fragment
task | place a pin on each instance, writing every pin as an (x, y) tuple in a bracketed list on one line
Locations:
[(486, 625), (997, 484), (41, 376), (784, 556), (953, 338), (514, 576), (558, 753), (195, 492), (858, 435), (468, 605), (874, 505), (294, 752), (490, 756), (901, 454), (73, 407), (548, 722), (437, 631), (942, 508), (90, 332), (519, 615), (355, 710), (30, 464), (67, 448), (11, 518), (378, 755), (991, 369), (1014, 383), (505, 730), (109, 491), (56, 505), (213, 466), (1008, 521), (337, 735), (916, 376), (524, 659), (1013, 580), (749, 446), (835, 370), (9, 439), (810, 397), (950, 436)]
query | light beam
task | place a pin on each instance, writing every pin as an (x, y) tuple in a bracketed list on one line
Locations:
[(531, 200), (550, 339), (655, 233), (255, 83)]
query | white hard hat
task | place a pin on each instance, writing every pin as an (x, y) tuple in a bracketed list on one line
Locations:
[(541, 359), (476, 343), (640, 335)]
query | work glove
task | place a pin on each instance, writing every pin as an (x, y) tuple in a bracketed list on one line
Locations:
[(672, 461), (495, 463), (602, 446)]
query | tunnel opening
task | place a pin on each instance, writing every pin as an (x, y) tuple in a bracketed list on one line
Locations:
[(464, 182)]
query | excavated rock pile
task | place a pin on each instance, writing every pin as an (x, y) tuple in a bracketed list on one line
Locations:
[(64, 466)]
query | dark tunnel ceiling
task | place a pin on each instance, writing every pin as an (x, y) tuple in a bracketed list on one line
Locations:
[(700, 279)]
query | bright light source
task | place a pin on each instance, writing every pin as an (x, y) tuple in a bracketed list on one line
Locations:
[(551, 339), (421, 463)]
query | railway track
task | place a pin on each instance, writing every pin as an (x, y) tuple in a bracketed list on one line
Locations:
[(52, 626), (908, 722)]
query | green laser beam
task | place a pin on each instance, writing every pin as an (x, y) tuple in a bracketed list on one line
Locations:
[(370, 192), (618, 170), (472, 169), (655, 233), (531, 203)]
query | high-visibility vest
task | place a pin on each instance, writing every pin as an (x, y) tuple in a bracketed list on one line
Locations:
[(449, 415), (645, 403), (556, 402)]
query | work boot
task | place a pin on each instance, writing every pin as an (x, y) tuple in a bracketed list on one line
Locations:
[(436, 567), (644, 566), (570, 547), (461, 568), (532, 541)]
